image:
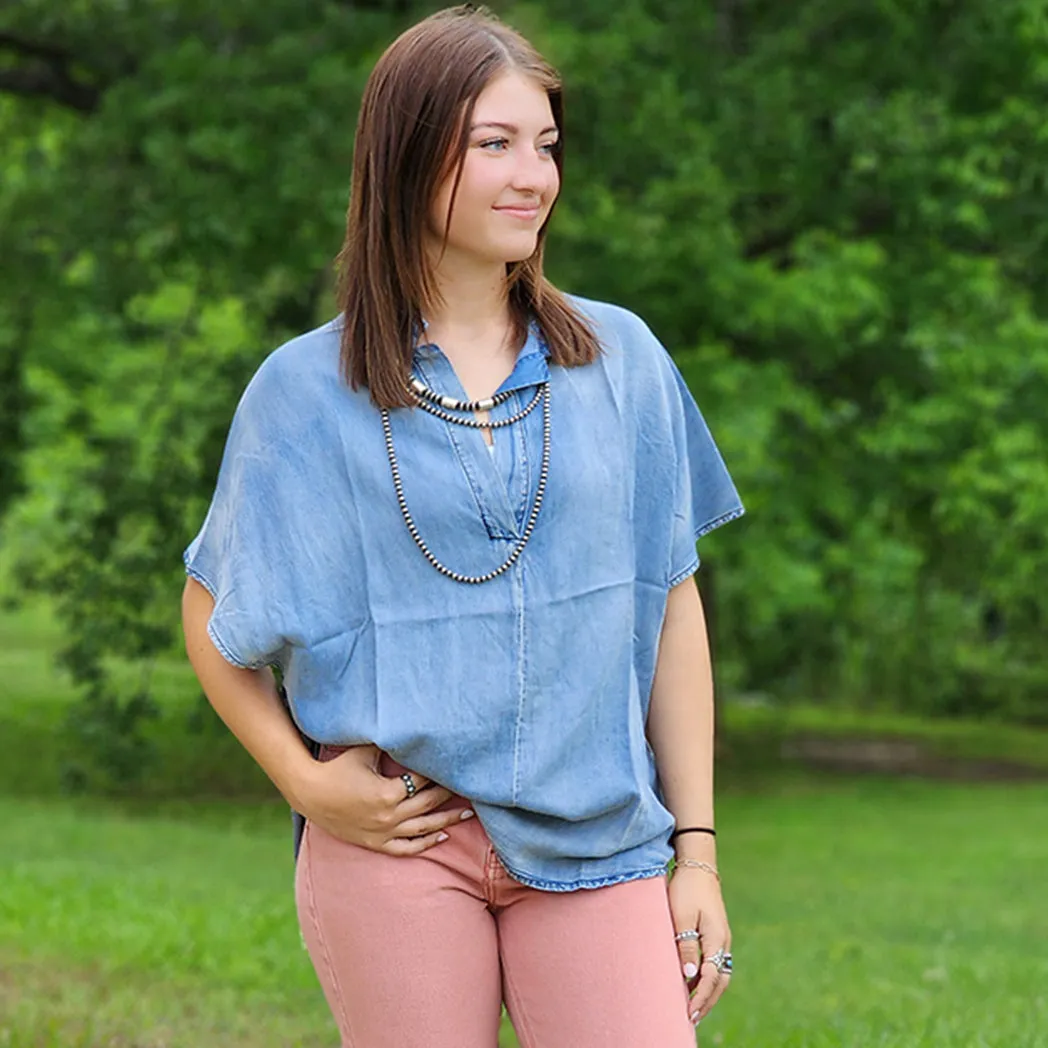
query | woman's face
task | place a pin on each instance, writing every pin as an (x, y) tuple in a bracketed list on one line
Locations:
[(509, 177)]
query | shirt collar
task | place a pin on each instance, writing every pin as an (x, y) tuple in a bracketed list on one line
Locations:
[(532, 365)]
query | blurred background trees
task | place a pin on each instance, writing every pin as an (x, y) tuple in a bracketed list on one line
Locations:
[(834, 214)]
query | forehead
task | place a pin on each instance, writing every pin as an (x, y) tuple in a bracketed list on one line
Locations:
[(513, 98)]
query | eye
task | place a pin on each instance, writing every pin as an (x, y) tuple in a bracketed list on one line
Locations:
[(494, 142), (551, 148)]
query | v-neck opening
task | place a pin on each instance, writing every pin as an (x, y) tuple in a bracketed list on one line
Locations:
[(479, 462), (490, 469)]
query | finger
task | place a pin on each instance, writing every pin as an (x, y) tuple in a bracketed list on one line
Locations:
[(722, 984), (398, 781), (419, 827), (707, 984), (703, 992), (688, 950), (420, 803), (395, 788), (413, 845)]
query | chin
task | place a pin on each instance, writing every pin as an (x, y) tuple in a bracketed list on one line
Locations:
[(502, 250), (519, 252)]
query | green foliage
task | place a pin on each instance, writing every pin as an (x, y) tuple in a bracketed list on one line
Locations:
[(117, 452), (842, 238)]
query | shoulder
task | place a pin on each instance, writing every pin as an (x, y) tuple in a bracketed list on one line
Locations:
[(296, 385), (632, 352), (310, 357), (617, 328)]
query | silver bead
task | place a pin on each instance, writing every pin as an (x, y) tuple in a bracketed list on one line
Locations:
[(473, 423), (451, 404)]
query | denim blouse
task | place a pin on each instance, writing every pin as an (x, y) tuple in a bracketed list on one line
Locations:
[(527, 694)]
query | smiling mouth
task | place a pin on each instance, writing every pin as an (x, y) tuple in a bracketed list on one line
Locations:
[(519, 212)]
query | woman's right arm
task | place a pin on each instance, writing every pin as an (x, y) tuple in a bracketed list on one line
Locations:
[(247, 701), (347, 796)]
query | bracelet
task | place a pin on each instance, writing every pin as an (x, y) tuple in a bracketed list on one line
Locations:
[(693, 829), (697, 864)]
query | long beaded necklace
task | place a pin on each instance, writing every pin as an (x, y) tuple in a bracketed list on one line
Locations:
[(441, 406)]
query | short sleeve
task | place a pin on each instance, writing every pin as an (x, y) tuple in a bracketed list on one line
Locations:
[(705, 496), (240, 551)]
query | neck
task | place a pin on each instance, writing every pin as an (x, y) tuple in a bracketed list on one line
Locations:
[(473, 304)]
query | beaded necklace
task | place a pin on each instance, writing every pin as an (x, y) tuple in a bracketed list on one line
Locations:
[(440, 406)]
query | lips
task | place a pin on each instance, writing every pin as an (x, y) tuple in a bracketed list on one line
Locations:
[(526, 213)]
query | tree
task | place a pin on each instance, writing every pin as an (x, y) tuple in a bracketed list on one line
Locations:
[(841, 240)]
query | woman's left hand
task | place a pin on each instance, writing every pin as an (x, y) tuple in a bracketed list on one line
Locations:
[(696, 904)]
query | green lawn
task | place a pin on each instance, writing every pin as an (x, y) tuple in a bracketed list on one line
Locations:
[(191, 755), (865, 913)]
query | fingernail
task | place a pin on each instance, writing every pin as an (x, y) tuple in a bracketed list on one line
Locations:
[(691, 969), (696, 1018), (441, 837), (467, 814)]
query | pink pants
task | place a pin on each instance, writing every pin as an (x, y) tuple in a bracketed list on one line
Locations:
[(421, 951)]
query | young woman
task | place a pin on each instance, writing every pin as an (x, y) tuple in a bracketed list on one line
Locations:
[(462, 519)]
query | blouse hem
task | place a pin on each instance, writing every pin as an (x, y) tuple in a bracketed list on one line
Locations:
[(221, 646), (693, 565), (677, 579), (586, 882), (724, 518)]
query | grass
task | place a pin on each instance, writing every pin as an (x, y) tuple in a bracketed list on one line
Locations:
[(122, 929), (866, 911), (961, 740), (870, 912), (189, 755), (147, 932)]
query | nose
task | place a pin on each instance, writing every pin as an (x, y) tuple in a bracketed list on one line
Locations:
[(535, 172)]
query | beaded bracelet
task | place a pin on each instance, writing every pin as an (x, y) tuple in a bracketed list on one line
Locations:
[(693, 829)]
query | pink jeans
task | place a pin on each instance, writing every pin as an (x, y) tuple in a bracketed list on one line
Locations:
[(421, 951)]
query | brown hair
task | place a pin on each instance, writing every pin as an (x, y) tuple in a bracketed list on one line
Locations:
[(412, 132)]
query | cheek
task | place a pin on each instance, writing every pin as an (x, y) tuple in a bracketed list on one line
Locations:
[(482, 185), (478, 192), (554, 183), (472, 197)]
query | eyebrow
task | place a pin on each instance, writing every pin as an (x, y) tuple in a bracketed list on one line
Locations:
[(511, 128)]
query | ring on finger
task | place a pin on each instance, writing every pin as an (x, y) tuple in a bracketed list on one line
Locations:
[(721, 961), (409, 784), (687, 936)]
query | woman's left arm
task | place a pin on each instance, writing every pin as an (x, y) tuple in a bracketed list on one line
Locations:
[(680, 730)]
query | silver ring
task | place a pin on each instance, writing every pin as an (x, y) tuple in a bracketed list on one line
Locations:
[(721, 960), (688, 936), (409, 782)]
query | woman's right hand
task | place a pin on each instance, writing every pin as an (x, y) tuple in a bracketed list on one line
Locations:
[(351, 799)]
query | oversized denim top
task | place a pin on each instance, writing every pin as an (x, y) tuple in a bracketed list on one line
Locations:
[(527, 694)]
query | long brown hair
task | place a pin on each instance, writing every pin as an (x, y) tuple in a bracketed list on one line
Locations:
[(412, 132)]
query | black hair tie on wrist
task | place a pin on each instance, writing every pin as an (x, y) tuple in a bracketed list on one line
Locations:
[(693, 829)]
